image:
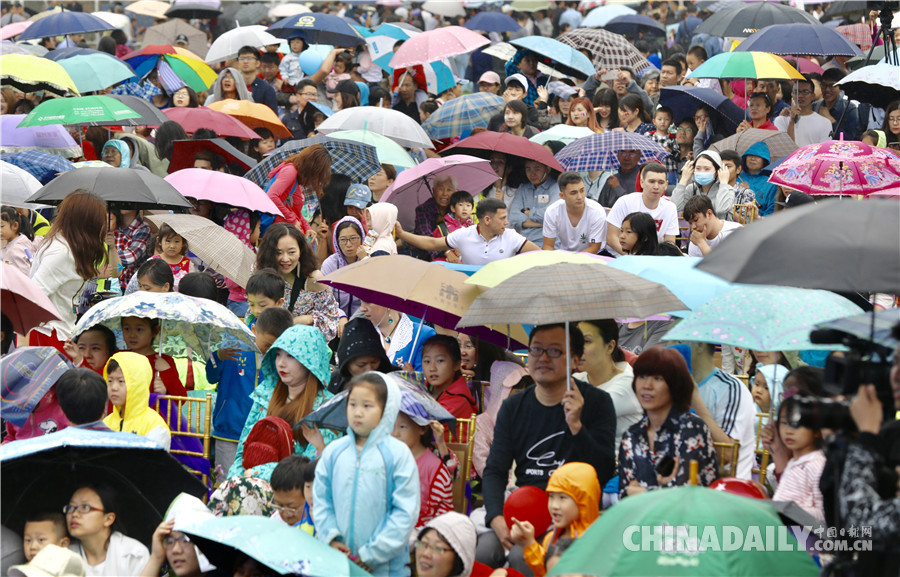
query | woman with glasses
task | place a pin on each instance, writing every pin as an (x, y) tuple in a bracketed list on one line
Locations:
[(347, 241), (446, 548), (92, 520), (174, 548)]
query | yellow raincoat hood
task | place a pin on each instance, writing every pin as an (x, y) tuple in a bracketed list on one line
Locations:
[(139, 418)]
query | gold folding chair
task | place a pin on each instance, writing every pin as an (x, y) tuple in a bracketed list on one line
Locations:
[(190, 417), (762, 419), (465, 434), (745, 213), (728, 454), (744, 379)]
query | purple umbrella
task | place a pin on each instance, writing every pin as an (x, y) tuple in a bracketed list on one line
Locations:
[(53, 138)]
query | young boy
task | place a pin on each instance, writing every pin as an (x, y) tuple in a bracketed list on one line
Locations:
[(460, 216), (309, 479), (742, 193), (756, 159), (290, 69), (236, 371), (288, 494), (42, 529), (128, 376), (665, 135)]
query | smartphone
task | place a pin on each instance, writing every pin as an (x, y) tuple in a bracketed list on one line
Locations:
[(665, 466), (611, 75)]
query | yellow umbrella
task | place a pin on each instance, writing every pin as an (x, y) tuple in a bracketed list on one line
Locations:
[(498, 271), (253, 114), (32, 74)]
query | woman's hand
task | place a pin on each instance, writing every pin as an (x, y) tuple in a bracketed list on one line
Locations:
[(158, 550), (687, 173), (634, 488), (522, 533), (313, 436), (663, 481), (543, 94), (744, 125)]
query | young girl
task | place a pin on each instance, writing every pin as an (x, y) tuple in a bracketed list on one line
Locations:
[(366, 491), (515, 118), (800, 437), (17, 237), (260, 147), (154, 276), (632, 116), (138, 334), (94, 347), (435, 479), (173, 251), (91, 516), (638, 234), (441, 363)]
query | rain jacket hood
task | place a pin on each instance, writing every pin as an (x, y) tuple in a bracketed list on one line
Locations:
[(361, 339), (338, 255), (138, 417), (304, 343), (123, 149), (459, 532), (756, 149), (383, 218), (579, 481), (388, 416)]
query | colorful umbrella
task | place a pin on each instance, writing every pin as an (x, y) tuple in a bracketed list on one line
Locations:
[(28, 373), (65, 23), (185, 150), (558, 55), (839, 167), (358, 161), (167, 32), (746, 65), (34, 74), (799, 40), (54, 139), (389, 152), (192, 71), (608, 51), (227, 45), (635, 24), (18, 184), (564, 133), (483, 144), (689, 521), (437, 44), (779, 143), (127, 188), (158, 49), (193, 119), (599, 151), (599, 16), (458, 117), (78, 110), (743, 19), (432, 77), (763, 318), (23, 301), (492, 22), (390, 123), (877, 84), (253, 115), (41, 165), (14, 29), (683, 100), (318, 28), (222, 188)]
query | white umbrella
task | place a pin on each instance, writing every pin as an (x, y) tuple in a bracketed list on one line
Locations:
[(445, 7), (120, 21), (289, 9), (506, 51), (18, 184), (227, 45), (395, 125)]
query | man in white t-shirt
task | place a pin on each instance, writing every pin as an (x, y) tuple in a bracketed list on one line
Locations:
[(707, 229), (652, 201), (574, 222), (486, 242), (801, 123)]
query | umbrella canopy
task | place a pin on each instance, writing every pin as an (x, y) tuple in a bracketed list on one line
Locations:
[(194, 9), (34, 74), (119, 21), (461, 115), (149, 114), (7, 47), (492, 22), (683, 101), (390, 123), (152, 8), (529, 5), (413, 186), (483, 144), (126, 188), (53, 139), (185, 151), (47, 470), (635, 24), (779, 143), (158, 49), (877, 84), (318, 28), (28, 373), (599, 16), (859, 34), (251, 14), (189, 71), (746, 65), (65, 23), (167, 32), (561, 56), (186, 322), (358, 161), (92, 72), (253, 115), (599, 151), (14, 29), (564, 133), (501, 270), (227, 45), (288, 9), (380, 42), (222, 188), (389, 152), (608, 50), (666, 513), (879, 54), (18, 184), (215, 246), (432, 77), (763, 318), (23, 301), (505, 52), (78, 110), (799, 40), (42, 165), (437, 44), (193, 119), (449, 8), (839, 167), (777, 249), (743, 19), (805, 65), (861, 326)]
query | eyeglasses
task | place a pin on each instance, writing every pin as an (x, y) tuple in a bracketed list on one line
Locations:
[(83, 509), (701, 117), (552, 352), (684, 129), (246, 58), (291, 511), (169, 541), (349, 240), (467, 346), (309, 94), (436, 549), (804, 91)]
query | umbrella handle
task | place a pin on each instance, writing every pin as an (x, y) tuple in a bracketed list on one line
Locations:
[(418, 332), (568, 361)]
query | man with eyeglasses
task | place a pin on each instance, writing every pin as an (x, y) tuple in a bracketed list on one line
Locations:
[(838, 109), (300, 118), (801, 123), (556, 421), (262, 91)]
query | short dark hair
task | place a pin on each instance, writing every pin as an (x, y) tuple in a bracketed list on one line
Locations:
[(55, 517), (274, 321), (488, 206), (698, 51), (653, 166), (199, 285), (446, 341), (288, 473), (461, 196), (833, 74), (377, 94), (108, 336), (809, 379), (266, 282), (158, 272), (309, 471), (731, 155), (674, 63), (664, 110), (82, 396), (248, 50), (567, 178), (671, 366), (697, 204), (668, 249), (372, 380), (270, 58), (576, 337)]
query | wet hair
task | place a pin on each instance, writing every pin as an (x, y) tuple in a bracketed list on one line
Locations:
[(644, 226), (450, 344), (567, 178), (458, 565), (576, 337), (165, 233), (266, 282), (634, 102), (558, 548), (371, 380), (199, 285), (671, 366), (488, 206), (55, 517), (288, 473), (11, 215), (461, 196), (697, 204), (168, 132), (82, 394), (81, 220), (609, 331), (274, 321), (157, 272), (268, 245)]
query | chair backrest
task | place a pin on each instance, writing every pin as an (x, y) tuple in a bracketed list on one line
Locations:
[(465, 430), (744, 379), (728, 458), (191, 418), (762, 419), (745, 213)]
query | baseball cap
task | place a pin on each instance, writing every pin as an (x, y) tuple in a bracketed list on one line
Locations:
[(51, 561), (358, 195), (796, 199), (520, 78), (346, 87), (490, 77), (181, 39)]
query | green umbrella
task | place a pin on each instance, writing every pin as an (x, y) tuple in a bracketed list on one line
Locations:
[(688, 531), (284, 549), (389, 152), (78, 110)]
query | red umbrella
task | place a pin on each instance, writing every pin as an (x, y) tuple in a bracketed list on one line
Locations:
[(483, 143), (193, 119), (23, 301)]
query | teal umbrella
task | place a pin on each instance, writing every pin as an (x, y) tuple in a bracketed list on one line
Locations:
[(763, 318), (389, 152), (280, 547), (564, 133), (92, 72), (77, 110)]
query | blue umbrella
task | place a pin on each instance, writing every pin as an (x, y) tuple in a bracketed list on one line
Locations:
[(65, 23), (799, 40), (562, 57), (91, 72), (28, 373), (42, 165), (492, 22), (318, 28), (634, 24), (69, 52), (683, 100), (459, 116), (599, 151)]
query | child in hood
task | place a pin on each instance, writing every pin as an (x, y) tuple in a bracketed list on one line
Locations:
[(381, 218), (128, 376)]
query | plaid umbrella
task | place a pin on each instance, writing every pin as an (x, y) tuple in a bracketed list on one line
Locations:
[(358, 161), (610, 51), (459, 116), (42, 165), (779, 143), (859, 34), (598, 151)]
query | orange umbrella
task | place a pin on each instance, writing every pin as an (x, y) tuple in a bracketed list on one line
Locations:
[(253, 115)]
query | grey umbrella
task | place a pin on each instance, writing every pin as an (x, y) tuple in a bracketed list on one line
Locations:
[(837, 245), (127, 188), (149, 114)]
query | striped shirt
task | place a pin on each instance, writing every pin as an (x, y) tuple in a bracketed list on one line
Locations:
[(731, 405), (800, 483)]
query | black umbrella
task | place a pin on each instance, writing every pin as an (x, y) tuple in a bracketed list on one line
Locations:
[(742, 20), (127, 188), (43, 472), (845, 8), (859, 251), (149, 114), (191, 10)]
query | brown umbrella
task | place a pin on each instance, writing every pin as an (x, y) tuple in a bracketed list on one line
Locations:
[(779, 143), (167, 32)]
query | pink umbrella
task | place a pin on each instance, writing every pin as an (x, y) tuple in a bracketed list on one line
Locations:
[(839, 167), (435, 44), (414, 185), (14, 29), (222, 188), (805, 65), (23, 301)]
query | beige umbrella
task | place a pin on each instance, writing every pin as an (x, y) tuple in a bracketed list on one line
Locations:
[(167, 32), (214, 245), (152, 8), (120, 21)]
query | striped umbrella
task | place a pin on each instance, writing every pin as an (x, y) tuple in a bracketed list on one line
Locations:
[(191, 71), (599, 151), (358, 161), (459, 116), (42, 165)]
